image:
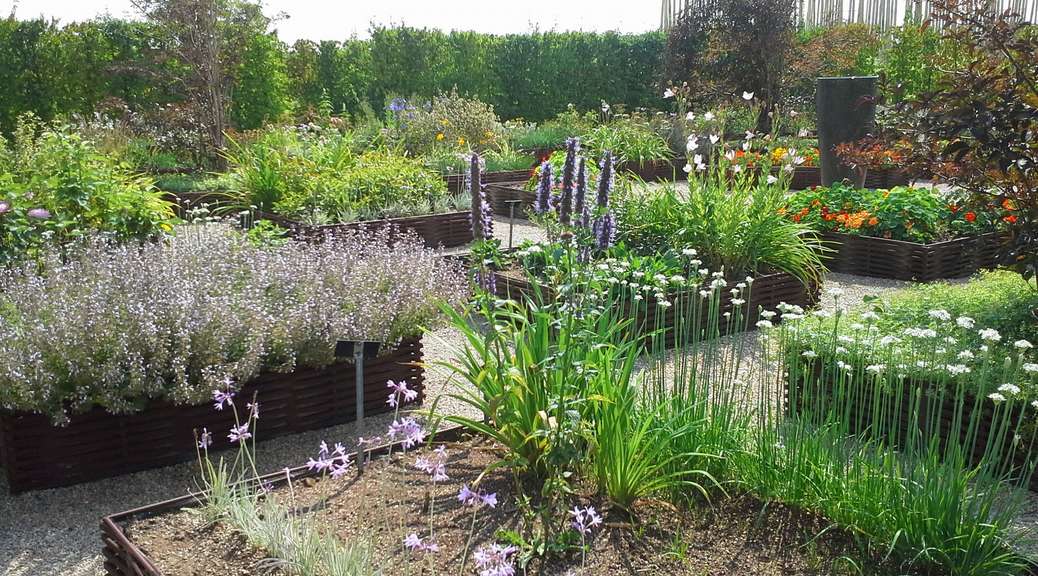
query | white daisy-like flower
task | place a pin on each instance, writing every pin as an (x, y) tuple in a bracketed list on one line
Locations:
[(690, 116)]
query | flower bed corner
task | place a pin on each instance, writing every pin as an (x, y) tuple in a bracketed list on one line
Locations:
[(122, 557), (97, 444)]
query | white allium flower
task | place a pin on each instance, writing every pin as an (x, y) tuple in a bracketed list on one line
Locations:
[(857, 326), (957, 369), (1010, 389), (996, 397), (689, 252), (821, 313), (1022, 344), (940, 314), (809, 354), (888, 340), (664, 304), (841, 350), (870, 316), (1030, 367), (990, 334), (965, 322), (876, 368), (965, 355), (668, 93), (738, 301), (845, 338), (834, 291), (765, 324), (767, 314)]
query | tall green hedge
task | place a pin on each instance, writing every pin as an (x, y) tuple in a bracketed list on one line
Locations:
[(56, 70)]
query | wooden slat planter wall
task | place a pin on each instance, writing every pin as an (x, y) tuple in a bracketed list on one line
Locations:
[(499, 194), (446, 230), (661, 171), (805, 177), (122, 557), (767, 291), (901, 260), (456, 182), (906, 423), (96, 444)]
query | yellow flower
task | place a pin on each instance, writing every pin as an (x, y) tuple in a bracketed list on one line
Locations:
[(461, 141), (439, 136), (445, 122)]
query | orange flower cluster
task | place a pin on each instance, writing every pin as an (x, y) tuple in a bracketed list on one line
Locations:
[(854, 220)]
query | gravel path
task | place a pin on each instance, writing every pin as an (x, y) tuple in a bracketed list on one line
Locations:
[(54, 532)]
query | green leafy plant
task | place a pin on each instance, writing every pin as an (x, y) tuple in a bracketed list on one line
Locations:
[(628, 140)]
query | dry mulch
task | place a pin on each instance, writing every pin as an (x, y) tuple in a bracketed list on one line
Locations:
[(736, 536)]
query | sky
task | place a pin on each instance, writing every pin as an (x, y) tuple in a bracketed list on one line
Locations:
[(338, 20)]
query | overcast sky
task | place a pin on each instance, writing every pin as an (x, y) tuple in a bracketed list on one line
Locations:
[(337, 20)]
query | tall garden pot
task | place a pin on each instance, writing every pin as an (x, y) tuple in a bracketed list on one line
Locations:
[(846, 108), (97, 444)]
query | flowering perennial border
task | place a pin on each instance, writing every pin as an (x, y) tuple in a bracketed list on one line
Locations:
[(97, 444), (122, 557)]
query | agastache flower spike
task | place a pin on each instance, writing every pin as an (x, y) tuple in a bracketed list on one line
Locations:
[(543, 203), (568, 175), (604, 228), (580, 196), (482, 216)]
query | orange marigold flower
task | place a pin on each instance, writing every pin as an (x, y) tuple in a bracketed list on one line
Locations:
[(873, 221)]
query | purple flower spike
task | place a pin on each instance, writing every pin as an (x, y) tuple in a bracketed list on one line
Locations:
[(580, 196), (482, 216), (544, 185), (604, 230), (38, 213), (239, 433), (605, 180), (568, 175)]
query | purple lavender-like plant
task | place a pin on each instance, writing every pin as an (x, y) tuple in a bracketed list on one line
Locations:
[(434, 465), (585, 520), (335, 461), (495, 560), (482, 215), (544, 185), (409, 429), (580, 196), (604, 227), (487, 280), (400, 392), (569, 169)]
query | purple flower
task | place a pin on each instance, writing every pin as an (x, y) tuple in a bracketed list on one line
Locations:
[(486, 279), (253, 410), (335, 461), (605, 180), (568, 175), (409, 429), (220, 398), (239, 433), (205, 439), (495, 560), (415, 543), (604, 230), (580, 196), (482, 216), (38, 213), (585, 520), (400, 391), (434, 465), (544, 185), (470, 498), (4, 207), (397, 105)]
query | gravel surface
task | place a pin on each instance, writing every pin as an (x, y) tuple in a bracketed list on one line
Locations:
[(54, 532)]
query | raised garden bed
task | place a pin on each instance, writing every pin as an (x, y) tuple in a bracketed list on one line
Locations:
[(456, 182), (445, 230), (97, 444), (805, 177), (901, 260), (767, 292), (499, 195), (390, 498)]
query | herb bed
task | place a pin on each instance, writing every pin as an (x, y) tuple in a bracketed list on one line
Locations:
[(902, 260), (97, 444), (444, 230)]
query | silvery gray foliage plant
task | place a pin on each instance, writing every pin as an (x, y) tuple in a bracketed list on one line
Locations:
[(116, 325)]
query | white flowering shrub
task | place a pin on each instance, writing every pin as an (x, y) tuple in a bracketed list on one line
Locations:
[(114, 326)]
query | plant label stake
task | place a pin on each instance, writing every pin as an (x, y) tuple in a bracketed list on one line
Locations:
[(511, 219), (358, 350)]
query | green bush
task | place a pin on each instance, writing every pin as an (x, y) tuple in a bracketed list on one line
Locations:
[(56, 186), (449, 122), (377, 184)]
